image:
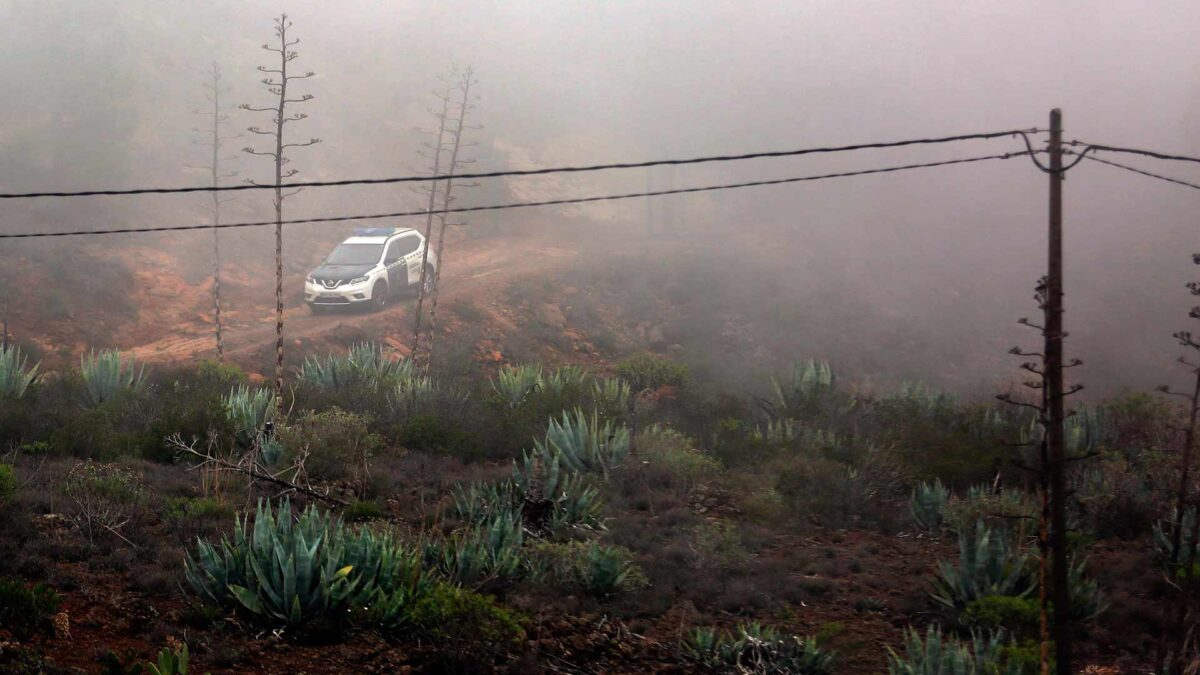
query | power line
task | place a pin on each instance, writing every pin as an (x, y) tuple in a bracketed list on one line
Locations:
[(1142, 172), (516, 205), (527, 172), (1135, 151)]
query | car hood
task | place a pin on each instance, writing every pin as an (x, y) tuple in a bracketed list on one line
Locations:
[(340, 272)]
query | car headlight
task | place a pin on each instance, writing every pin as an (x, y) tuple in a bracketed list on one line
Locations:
[(360, 280), (311, 280)]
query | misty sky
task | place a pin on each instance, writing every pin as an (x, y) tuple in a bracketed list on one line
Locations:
[(98, 94)]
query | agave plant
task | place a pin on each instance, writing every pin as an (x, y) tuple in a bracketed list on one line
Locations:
[(987, 565), (364, 365), (778, 431), (282, 571), (1162, 533), (15, 373), (488, 552), (1087, 602), (808, 379), (611, 393), (249, 410), (566, 379), (582, 443), (479, 502), (940, 655), (754, 648), (572, 501), (514, 383), (604, 570), (928, 505), (105, 376), (921, 400)]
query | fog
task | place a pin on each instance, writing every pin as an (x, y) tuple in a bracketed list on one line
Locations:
[(100, 94)]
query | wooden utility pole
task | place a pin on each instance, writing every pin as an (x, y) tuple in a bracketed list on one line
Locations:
[(1053, 335), (277, 83)]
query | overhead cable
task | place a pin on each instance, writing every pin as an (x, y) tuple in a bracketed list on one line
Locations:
[(515, 205), (521, 172)]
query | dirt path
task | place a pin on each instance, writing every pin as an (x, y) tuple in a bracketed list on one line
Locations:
[(475, 272)]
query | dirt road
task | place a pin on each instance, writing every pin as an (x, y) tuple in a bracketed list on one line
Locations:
[(477, 271)]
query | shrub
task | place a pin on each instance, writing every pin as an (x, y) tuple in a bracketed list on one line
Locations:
[(938, 655), (25, 611), (1113, 500), (928, 504), (646, 371), (105, 376), (367, 509), (599, 570), (8, 482), (15, 373), (105, 497), (466, 627), (998, 510), (331, 445), (756, 649), (987, 565), (1020, 617), (671, 453)]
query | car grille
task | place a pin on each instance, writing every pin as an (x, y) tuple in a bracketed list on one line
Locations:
[(329, 283)]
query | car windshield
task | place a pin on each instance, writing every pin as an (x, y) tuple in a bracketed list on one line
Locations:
[(355, 254)]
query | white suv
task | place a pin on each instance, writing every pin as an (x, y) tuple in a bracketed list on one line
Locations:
[(369, 268)]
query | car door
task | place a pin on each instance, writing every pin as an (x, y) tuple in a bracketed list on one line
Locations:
[(409, 246), (393, 260)]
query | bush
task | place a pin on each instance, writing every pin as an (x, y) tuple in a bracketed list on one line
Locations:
[(1113, 500), (25, 611), (987, 566), (756, 649), (599, 570), (998, 510), (646, 371), (466, 627), (1020, 617), (8, 482), (332, 445), (671, 454), (106, 497)]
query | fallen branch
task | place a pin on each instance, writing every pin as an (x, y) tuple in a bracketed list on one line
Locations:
[(252, 472)]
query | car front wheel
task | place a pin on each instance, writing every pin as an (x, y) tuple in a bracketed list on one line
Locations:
[(379, 293)]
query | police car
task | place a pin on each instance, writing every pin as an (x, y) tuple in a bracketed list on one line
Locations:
[(370, 268)]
